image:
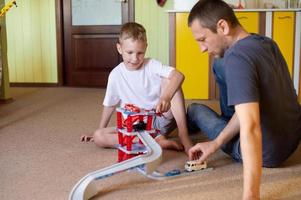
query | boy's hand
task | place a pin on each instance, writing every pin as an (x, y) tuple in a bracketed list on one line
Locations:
[(162, 106)]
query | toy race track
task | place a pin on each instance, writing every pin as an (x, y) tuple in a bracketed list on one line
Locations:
[(148, 162), (144, 156)]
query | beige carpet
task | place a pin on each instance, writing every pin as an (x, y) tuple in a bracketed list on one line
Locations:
[(41, 156)]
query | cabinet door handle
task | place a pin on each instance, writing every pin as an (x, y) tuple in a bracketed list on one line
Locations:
[(284, 17), (242, 18)]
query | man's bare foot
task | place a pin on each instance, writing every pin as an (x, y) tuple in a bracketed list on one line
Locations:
[(86, 138), (169, 144)]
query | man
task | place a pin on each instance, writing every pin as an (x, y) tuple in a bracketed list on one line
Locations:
[(260, 124)]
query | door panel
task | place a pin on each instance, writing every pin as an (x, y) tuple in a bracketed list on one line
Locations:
[(285, 39), (86, 13), (91, 30), (249, 20), (190, 61)]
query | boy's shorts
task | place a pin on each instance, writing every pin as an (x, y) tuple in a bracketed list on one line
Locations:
[(165, 123)]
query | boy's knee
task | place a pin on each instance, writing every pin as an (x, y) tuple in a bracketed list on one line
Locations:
[(99, 138)]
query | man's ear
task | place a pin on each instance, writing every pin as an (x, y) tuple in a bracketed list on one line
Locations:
[(223, 27), (118, 46)]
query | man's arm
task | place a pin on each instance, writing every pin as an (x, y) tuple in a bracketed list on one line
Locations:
[(201, 151), (106, 116), (175, 80), (251, 147)]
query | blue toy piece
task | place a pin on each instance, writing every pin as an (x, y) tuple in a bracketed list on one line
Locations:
[(173, 172)]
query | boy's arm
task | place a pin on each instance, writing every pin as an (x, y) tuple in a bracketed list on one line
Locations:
[(175, 80), (106, 116)]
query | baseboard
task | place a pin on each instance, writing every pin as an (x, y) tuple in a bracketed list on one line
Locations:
[(5, 101), (34, 84)]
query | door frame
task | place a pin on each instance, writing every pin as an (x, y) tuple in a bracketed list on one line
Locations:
[(60, 35)]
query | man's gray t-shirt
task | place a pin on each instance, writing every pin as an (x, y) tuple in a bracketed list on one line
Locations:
[(256, 71)]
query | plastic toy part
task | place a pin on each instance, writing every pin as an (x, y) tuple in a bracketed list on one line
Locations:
[(7, 7), (143, 154), (194, 165), (174, 172), (132, 108), (131, 120), (86, 188)]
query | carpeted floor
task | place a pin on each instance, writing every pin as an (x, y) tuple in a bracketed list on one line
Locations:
[(41, 156)]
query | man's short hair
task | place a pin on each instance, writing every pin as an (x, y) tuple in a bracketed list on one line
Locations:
[(133, 31), (209, 12)]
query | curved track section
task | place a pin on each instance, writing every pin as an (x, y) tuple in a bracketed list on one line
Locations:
[(86, 188)]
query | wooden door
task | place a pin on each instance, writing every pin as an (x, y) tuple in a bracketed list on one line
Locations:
[(91, 31)]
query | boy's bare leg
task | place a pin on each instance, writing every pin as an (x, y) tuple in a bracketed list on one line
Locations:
[(168, 144), (106, 137), (179, 112)]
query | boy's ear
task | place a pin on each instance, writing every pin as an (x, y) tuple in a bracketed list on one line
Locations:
[(118, 46), (223, 27)]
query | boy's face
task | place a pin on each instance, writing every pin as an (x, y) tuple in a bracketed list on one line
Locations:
[(208, 41), (132, 52)]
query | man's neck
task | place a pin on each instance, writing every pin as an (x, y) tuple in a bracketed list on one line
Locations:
[(238, 33)]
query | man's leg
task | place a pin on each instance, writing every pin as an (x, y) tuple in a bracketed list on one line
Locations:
[(201, 117)]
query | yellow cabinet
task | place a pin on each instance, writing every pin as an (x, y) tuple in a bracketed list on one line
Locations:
[(249, 20), (283, 34), (191, 62)]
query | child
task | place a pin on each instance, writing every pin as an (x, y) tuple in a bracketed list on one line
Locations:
[(147, 84)]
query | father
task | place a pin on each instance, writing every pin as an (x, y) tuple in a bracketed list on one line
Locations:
[(260, 124)]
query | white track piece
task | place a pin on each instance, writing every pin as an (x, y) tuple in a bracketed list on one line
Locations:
[(85, 188)]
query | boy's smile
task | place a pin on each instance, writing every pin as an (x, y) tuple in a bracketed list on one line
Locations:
[(132, 52)]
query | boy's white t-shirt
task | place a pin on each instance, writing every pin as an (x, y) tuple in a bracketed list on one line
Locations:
[(139, 87)]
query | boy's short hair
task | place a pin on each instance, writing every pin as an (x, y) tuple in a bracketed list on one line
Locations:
[(209, 12), (132, 30)]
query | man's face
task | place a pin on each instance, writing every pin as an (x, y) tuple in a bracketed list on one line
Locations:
[(213, 43), (133, 52)]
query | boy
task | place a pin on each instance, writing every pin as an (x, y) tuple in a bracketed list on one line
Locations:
[(145, 83)]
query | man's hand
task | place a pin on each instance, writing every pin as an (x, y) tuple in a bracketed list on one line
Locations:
[(201, 151)]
